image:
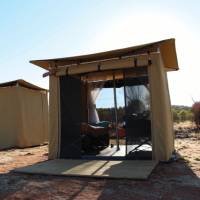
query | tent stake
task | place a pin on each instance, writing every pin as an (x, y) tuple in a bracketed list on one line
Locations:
[(116, 119)]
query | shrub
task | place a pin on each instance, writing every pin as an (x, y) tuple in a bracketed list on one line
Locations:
[(182, 113), (176, 116), (196, 112)]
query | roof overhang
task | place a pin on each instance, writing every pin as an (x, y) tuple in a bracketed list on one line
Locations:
[(165, 47)]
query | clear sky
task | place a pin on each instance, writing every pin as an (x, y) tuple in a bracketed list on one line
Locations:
[(40, 29)]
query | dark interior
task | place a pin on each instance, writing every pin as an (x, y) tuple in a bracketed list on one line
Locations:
[(71, 118)]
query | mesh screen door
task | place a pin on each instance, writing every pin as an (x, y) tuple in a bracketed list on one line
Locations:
[(137, 111)]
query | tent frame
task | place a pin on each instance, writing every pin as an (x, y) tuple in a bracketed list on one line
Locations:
[(158, 57)]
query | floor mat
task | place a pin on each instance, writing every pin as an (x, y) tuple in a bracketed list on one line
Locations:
[(131, 169)]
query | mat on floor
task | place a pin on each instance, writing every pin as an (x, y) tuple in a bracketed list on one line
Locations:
[(131, 169)]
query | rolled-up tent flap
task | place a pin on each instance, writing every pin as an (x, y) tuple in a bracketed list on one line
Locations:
[(161, 115), (78, 69), (129, 62), (103, 76), (114, 64)]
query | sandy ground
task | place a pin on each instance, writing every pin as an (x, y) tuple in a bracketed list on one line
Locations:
[(177, 180)]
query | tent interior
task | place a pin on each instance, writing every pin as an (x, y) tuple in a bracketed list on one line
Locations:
[(106, 115)]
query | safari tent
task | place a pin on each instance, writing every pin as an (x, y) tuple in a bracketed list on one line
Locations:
[(23, 114), (140, 72)]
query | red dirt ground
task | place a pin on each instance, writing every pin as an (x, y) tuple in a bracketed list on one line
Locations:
[(176, 180)]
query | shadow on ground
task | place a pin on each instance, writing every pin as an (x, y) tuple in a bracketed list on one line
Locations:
[(168, 181), (174, 180)]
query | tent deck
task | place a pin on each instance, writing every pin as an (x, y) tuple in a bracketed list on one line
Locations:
[(129, 169), (144, 152)]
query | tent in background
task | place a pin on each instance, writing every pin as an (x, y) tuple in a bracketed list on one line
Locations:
[(23, 114)]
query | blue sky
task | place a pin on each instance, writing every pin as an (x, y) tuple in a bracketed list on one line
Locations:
[(40, 29)]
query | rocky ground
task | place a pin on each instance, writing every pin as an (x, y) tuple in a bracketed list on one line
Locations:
[(176, 180)]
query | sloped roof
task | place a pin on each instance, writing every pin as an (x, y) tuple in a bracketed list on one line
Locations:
[(167, 49), (22, 83)]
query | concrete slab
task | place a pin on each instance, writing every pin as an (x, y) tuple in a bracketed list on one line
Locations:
[(129, 169)]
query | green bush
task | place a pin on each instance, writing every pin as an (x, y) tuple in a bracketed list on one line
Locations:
[(182, 113), (176, 116)]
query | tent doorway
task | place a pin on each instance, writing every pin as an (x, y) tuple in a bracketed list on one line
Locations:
[(120, 115), (106, 118)]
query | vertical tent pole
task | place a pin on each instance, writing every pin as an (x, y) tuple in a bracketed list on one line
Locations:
[(125, 106), (116, 119)]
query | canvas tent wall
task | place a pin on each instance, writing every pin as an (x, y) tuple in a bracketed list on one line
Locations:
[(23, 114), (159, 57)]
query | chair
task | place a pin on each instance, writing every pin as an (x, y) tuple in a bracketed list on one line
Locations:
[(138, 131)]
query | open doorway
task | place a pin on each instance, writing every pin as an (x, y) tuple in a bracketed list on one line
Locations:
[(106, 115), (119, 125)]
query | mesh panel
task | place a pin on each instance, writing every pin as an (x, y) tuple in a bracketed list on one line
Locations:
[(137, 118)]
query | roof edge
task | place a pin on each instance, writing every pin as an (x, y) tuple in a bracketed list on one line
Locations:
[(22, 83), (164, 44)]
